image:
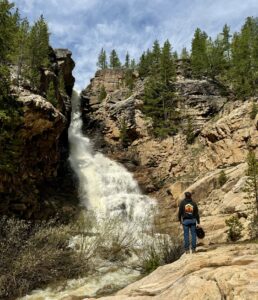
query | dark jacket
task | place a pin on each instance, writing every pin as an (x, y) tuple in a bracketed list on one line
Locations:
[(188, 209)]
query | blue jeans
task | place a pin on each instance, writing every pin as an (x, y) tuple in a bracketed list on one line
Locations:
[(189, 224)]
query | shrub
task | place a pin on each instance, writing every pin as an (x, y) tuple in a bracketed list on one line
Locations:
[(35, 254), (222, 179), (102, 93), (235, 228), (254, 111), (161, 249)]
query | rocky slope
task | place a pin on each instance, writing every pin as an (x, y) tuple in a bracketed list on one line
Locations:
[(166, 168), (225, 272), (35, 149)]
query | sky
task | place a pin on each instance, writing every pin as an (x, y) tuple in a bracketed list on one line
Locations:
[(85, 26)]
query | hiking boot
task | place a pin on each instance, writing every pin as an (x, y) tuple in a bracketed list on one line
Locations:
[(194, 251), (187, 251)]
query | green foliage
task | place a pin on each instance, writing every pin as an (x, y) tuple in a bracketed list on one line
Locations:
[(251, 186), (114, 62), (199, 59), (245, 59), (129, 81), (51, 94), (124, 137), (234, 228), (254, 110), (184, 54), (167, 65), (222, 179), (102, 93), (190, 135), (159, 104), (127, 61), (163, 250), (7, 30), (42, 256), (38, 50), (102, 60)]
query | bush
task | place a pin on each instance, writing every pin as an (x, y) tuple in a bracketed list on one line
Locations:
[(159, 250), (235, 228), (102, 93), (35, 254), (254, 111), (222, 179)]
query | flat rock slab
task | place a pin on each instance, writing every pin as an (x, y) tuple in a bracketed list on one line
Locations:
[(226, 272)]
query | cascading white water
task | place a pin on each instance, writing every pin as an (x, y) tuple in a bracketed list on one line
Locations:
[(105, 186)]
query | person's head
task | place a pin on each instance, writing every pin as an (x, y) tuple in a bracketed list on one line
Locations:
[(188, 195)]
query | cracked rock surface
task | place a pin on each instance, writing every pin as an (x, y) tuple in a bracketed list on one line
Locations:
[(224, 272)]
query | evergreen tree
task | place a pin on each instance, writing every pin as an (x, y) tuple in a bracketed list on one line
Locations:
[(133, 64), (184, 54), (51, 94), (226, 43), (175, 55), (7, 30), (114, 60), (245, 59), (38, 50), (145, 64), (251, 186), (102, 60), (21, 55), (199, 60), (155, 58), (215, 57), (167, 65), (102, 93), (127, 61), (159, 105)]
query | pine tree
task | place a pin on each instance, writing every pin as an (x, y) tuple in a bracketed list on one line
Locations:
[(38, 50), (226, 43), (184, 54), (167, 65), (244, 70), (252, 172), (102, 60), (133, 64), (114, 60), (21, 55), (215, 57), (199, 60), (7, 30), (127, 61), (155, 59)]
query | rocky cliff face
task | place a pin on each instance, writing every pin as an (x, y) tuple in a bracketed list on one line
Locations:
[(33, 171), (166, 168)]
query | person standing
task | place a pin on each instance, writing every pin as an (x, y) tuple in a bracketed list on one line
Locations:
[(188, 216)]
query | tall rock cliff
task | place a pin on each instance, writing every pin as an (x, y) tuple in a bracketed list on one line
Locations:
[(223, 132), (34, 148)]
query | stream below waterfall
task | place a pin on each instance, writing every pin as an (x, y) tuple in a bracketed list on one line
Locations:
[(108, 191)]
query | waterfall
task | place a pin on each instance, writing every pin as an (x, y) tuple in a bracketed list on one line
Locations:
[(105, 186)]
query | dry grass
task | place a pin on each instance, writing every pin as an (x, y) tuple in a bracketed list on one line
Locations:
[(33, 255)]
